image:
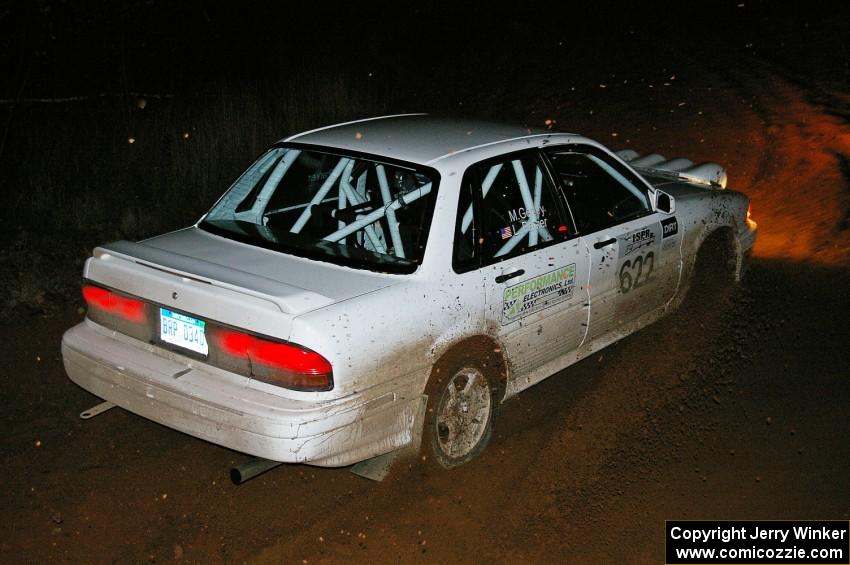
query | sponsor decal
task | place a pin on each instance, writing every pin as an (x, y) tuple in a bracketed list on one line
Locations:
[(637, 240), (638, 250), (538, 293), (669, 227)]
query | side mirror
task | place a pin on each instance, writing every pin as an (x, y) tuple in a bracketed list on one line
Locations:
[(664, 203)]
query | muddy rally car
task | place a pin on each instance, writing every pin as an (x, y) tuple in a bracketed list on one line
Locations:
[(389, 282)]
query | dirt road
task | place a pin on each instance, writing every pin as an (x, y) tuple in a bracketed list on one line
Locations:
[(734, 414)]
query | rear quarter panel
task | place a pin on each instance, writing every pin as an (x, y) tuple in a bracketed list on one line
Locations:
[(391, 337)]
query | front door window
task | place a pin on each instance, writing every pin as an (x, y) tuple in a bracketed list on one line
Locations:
[(631, 274), (600, 194)]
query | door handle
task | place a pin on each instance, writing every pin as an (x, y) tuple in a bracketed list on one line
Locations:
[(604, 243), (507, 276)]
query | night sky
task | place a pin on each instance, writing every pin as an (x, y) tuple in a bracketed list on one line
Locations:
[(57, 48)]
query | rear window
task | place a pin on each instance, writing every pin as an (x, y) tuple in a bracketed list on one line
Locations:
[(351, 210)]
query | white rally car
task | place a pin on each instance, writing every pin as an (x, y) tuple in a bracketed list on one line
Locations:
[(365, 285)]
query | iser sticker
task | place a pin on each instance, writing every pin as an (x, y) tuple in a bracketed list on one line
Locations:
[(638, 250), (637, 240), (669, 227), (538, 293)]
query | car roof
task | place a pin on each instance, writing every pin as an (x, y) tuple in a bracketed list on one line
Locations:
[(417, 138)]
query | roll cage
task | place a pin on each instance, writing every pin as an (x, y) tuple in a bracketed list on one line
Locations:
[(356, 202)]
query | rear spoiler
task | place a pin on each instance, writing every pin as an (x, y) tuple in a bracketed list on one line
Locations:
[(286, 298)]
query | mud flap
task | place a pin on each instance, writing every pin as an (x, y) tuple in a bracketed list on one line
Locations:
[(377, 468)]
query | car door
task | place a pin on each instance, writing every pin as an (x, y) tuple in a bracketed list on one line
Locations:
[(513, 228), (635, 252)]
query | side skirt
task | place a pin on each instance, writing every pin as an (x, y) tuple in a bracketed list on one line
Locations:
[(518, 384)]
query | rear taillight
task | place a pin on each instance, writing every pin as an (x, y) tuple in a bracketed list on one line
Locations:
[(265, 359), (130, 309), (277, 363)]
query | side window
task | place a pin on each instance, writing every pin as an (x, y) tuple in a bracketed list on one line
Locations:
[(465, 255), (600, 193), (512, 210)]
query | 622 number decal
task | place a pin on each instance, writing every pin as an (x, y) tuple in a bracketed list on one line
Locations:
[(632, 273)]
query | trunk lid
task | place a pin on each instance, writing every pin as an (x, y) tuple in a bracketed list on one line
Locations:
[(230, 282)]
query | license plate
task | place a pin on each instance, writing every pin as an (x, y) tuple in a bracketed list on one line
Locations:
[(183, 331)]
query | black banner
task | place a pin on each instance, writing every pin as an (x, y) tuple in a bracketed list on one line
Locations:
[(758, 542)]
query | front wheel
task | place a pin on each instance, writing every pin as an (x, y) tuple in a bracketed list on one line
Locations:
[(713, 280), (462, 407)]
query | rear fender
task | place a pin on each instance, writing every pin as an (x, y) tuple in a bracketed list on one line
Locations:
[(485, 348)]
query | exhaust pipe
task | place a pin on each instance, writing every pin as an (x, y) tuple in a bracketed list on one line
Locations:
[(251, 468)]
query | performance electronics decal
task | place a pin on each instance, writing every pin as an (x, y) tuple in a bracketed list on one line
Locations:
[(538, 293)]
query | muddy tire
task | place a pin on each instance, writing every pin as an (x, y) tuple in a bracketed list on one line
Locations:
[(713, 282), (463, 398)]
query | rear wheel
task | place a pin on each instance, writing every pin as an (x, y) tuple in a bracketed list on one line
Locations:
[(462, 408)]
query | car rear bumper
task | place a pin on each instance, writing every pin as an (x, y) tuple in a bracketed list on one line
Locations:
[(225, 409)]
